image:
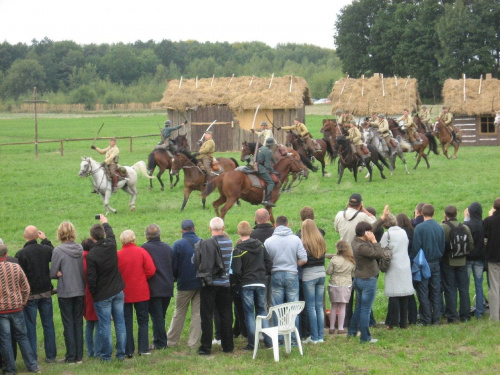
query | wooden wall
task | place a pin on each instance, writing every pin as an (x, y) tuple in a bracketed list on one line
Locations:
[(471, 132)]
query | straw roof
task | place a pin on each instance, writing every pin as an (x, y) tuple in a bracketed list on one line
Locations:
[(475, 97), (238, 93), (376, 94)]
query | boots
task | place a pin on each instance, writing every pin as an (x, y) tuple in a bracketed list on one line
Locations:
[(115, 183), (454, 137), (267, 202)]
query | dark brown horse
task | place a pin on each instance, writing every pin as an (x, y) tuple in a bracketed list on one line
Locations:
[(424, 129), (159, 157), (418, 148), (326, 148), (194, 178), (446, 139), (248, 149), (331, 130), (234, 185)]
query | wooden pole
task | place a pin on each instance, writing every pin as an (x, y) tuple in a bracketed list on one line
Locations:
[(464, 85), (291, 83), (35, 101), (383, 87), (212, 83), (231, 80), (362, 85), (480, 84), (251, 80), (196, 82), (270, 83)]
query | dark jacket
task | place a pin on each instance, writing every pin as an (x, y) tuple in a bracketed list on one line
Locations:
[(251, 263), (162, 283), (34, 258), (429, 236), (103, 275), (182, 262), (366, 255), (447, 259), (491, 226), (262, 232), (475, 225), (208, 261)]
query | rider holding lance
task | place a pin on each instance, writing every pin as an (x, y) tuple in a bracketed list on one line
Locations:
[(346, 119), (265, 168), (110, 163)]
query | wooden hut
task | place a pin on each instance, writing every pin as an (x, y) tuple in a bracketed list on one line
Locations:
[(473, 103), (388, 95), (233, 101)]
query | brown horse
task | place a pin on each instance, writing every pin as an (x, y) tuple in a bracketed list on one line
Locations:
[(424, 129), (234, 185), (418, 148), (331, 130), (248, 149), (446, 139), (194, 178), (326, 148)]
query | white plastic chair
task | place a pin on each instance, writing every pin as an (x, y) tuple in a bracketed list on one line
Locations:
[(286, 314)]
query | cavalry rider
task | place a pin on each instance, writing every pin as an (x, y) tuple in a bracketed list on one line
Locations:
[(373, 120), (206, 153), (346, 119), (447, 119), (166, 133), (338, 115), (265, 168), (356, 142), (408, 124), (383, 131), (300, 129), (264, 133), (110, 164), (425, 117)]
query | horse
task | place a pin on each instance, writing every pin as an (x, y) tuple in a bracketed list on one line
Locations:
[(102, 184), (372, 138), (424, 129), (497, 119), (194, 178), (331, 130), (326, 148), (248, 149), (446, 139), (181, 143), (234, 185), (159, 157), (348, 160), (399, 133)]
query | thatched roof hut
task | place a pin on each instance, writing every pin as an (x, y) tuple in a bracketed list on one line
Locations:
[(363, 96), (472, 97)]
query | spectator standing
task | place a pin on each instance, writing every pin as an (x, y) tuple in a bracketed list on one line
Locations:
[(475, 259), (14, 294), (263, 228), (67, 268), (188, 287), (106, 286), (34, 258), (136, 267), (161, 285), (419, 217), (491, 226), (429, 236)]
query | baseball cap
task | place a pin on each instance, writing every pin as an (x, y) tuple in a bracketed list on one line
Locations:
[(355, 198), (187, 224)]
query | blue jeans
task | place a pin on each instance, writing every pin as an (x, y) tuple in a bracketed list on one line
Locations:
[(142, 313), (158, 307), (476, 267), (285, 288), (366, 289), (253, 299), (44, 306), (456, 278), (13, 324), (313, 293), (72, 318), (92, 338), (429, 296), (112, 306)]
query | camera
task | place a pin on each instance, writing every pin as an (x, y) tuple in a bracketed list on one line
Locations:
[(97, 217)]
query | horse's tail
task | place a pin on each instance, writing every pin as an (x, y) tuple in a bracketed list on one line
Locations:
[(432, 143), (140, 166), (211, 185), (329, 150), (308, 163), (151, 162), (235, 162)]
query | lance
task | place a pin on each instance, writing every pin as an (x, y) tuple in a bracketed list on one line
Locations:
[(201, 139), (255, 166), (93, 143)]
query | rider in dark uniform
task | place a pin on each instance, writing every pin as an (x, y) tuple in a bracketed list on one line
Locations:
[(166, 133), (265, 168)]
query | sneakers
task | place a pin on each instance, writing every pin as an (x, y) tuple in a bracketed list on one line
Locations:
[(373, 341), (216, 342), (248, 347), (309, 340)]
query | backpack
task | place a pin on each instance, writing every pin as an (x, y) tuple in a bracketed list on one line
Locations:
[(458, 240)]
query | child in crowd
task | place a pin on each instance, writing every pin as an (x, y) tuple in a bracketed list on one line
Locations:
[(341, 269)]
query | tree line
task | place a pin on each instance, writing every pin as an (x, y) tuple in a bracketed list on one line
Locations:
[(68, 73), (431, 40)]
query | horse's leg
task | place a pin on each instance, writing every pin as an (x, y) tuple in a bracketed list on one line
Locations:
[(341, 172), (151, 180), (355, 173), (187, 192), (229, 203), (158, 176), (370, 170), (217, 203), (456, 145), (176, 181), (106, 197), (132, 190), (283, 187), (401, 156)]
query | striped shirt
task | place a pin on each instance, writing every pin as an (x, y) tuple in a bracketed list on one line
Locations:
[(14, 288), (226, 247)]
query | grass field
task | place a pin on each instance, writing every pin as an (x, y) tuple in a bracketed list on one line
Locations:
[(47, 191)]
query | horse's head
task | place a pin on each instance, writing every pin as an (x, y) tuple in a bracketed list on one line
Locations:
[(246, 150), (181, 142), (291, 138), (341, 144), (289, 164), (330, 129), (85, 167)]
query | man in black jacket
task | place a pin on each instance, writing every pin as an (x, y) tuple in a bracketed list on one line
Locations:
[(491, 226), (106, 286), (263, 228), (34, 258), (251, 263)]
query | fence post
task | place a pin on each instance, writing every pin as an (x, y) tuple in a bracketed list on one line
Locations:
[(62, 148), (130, 140)]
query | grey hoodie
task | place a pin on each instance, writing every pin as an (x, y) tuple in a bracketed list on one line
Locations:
[(284, 249), (68, 258)]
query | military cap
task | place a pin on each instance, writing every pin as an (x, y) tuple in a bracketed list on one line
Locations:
[(208, 132), (381, 115), (270, 141), (338, 111), (352, 122), (168, 123), (263, 123)]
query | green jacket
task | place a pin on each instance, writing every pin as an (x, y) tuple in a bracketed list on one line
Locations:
[(265, 158), (167, 131), (460, 261)]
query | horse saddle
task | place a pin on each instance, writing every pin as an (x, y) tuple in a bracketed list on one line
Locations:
[(121, 173), (364, 150), (394, 143), (215, 168), (255, 180)]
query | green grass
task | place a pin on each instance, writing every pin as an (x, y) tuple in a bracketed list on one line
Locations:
[(47, 191)]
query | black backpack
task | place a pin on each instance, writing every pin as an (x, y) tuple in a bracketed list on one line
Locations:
[(458, 240)]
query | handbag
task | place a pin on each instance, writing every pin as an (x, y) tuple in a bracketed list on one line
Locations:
[(385, 262)]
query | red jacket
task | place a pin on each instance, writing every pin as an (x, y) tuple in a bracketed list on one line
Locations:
[(136, 266), (88, 304)]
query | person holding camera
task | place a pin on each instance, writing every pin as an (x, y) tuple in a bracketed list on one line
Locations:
[(110, 163)]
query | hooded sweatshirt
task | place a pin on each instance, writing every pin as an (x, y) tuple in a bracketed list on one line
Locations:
[(475, 224), (285, 249), (68, 258), (251, 262)]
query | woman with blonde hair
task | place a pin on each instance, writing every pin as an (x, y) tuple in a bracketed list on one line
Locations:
[(313, 279), (341, 271), (67, 268)]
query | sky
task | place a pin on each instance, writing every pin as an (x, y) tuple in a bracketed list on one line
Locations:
[(114, 21)]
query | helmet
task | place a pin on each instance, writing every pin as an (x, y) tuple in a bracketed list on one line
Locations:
[(168, 123), (270, 141), (263, 123), (381, 115)]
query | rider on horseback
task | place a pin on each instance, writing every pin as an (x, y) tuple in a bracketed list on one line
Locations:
[(110, 164), (383, 130), (425, 117), (167, 144), (206, 153), (265, 168), (310, 145), (408, 125), (264, 133), (447, 119), (356, 142)]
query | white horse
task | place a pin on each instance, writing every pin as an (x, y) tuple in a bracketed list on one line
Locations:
[(102, 184), (497, 119)]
